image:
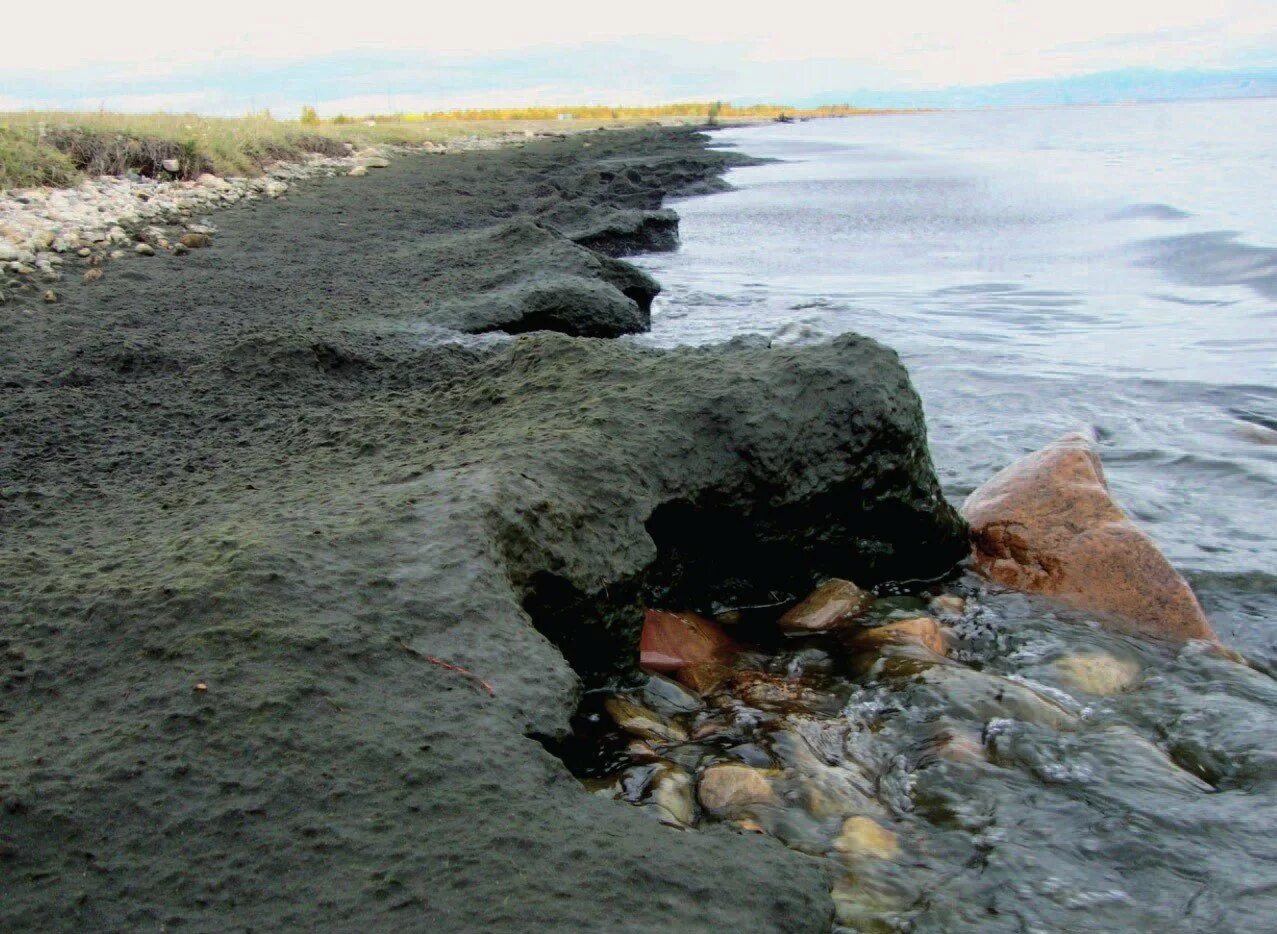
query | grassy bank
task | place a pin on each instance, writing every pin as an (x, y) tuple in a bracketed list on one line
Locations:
[(61, 148), (58, 149)]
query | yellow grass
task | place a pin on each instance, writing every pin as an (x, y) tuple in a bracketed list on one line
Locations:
[(57, 148)]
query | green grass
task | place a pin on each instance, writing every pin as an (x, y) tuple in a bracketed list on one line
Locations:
[(55, 148)]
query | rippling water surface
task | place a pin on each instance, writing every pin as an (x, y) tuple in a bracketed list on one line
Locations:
[(1105, 268), (1111, 269)]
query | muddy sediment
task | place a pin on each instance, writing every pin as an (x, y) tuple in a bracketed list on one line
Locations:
[(258, 499)]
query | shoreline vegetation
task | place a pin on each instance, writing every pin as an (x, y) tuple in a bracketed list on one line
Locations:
[(61, 149)]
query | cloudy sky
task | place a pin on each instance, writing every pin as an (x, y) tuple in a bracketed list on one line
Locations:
[(233, 55)]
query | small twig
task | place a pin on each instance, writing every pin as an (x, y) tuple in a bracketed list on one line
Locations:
[(448, 665)]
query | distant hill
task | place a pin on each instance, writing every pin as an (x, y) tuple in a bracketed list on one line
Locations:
[(1109, 87)]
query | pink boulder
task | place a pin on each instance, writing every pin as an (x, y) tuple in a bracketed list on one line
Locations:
[(1048, 525)]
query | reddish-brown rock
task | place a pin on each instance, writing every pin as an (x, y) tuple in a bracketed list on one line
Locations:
[(674, 641), (1048, 525), (833, 604)]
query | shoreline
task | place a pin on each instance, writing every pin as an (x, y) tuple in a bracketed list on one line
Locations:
[(108, 215), (305, 558)]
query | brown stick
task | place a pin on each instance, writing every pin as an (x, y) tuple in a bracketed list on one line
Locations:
[(448, 665)]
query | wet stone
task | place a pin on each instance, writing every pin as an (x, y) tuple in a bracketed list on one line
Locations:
[(642, 722), (671, 795), (728, 788), (921, 630), (1097, 673), (890, 752), (834, 604), (671, 642), (670, 697), (863, 837)]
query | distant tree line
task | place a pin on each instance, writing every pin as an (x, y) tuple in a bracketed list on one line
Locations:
[(711, 111)]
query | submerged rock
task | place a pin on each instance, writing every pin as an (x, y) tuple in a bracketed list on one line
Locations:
[(730, 787), (642, 722), (671, 792), (921, 630), (979, 696), (1048, 525), (670, 696), (865, 837), (948, 605), (957, 743), (773, 692), (834, 604), (1097, 672)]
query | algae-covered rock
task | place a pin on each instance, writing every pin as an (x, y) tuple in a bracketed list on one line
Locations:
[(525, 276), (623, 233), (255, 470), (569, 304)]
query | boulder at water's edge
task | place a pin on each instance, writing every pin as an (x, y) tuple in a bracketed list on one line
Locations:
[(1047, 524)]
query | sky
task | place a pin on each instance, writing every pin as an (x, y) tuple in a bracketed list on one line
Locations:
[(233, 56)]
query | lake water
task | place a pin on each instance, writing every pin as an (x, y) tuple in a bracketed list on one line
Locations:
[(1110, 269), (1040, 271)]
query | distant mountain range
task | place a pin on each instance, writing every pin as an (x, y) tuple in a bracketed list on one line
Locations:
[(1109, 87)]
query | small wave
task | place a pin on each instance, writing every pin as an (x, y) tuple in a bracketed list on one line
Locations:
[(1213, 259), (1151, 211)]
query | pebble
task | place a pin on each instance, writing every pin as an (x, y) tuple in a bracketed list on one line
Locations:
[(1097, 673), (670, 696), (832, 605), (50, 296), (865, 837), (729, 787), (171, 165), (671, 793), (144, 249), (642, 722), (921, 630), (948, 605), (358, 171), (195, 241)]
